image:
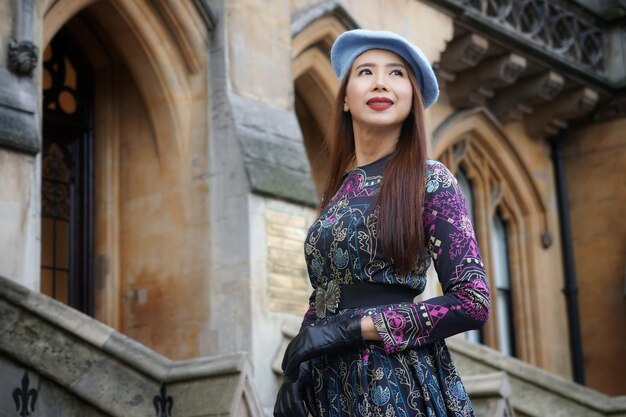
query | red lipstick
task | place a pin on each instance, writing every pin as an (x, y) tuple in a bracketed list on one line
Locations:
[(379, 103)]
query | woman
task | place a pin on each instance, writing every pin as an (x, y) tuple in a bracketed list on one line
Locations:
[(365, 347)]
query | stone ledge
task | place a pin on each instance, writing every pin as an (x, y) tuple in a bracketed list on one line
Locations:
[(109, 371), (108, 340), (273, 151), (543, 383), (490, 394)]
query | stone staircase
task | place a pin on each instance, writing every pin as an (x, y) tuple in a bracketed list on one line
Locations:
[(55, 361), (490, 394), (501, 386), (530, 391)]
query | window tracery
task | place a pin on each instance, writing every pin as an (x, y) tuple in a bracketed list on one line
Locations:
[(550, 25), (509, 218)]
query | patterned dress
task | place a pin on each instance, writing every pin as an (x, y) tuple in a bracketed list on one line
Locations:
[(410, 372)]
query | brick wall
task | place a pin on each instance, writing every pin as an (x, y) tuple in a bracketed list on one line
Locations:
[(288, 283)]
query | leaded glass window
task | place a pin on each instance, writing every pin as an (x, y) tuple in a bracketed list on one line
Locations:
[(67, 185)]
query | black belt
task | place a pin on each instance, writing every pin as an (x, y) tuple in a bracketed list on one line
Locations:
[(336, 297)]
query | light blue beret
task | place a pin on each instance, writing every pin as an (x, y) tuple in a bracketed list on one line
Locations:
[(350, 44)]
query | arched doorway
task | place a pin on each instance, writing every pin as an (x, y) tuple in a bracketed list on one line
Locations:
[(147, 229)]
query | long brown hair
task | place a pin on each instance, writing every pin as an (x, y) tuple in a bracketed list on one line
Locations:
[(401, 198)]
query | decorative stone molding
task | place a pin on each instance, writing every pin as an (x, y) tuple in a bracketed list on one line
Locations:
[(208, 13), (23, 53), (554, 31), (22, 57), (472, 141), (463, 52), (25, 397), (306, 16), (516, 101), (614, 109), (187, 32), (552, 116), (19, 126), (477, 85), (515, 82)]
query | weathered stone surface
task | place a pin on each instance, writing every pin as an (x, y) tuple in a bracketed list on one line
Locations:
[(9, 315), (490, 394), (18, 130), (119, 377), (52, 399), (535, 392), (273, 151), (19, 127), (51, 352)]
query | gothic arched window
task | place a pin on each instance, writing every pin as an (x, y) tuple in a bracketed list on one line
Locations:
[(475, 336), (502, 290)]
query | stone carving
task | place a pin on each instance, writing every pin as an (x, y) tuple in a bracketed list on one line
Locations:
[(518, 100), (22, 57), (553, 115), (25, 397), (163, 403), (551, 25), (477, 85), (614, 109), (464, 52)]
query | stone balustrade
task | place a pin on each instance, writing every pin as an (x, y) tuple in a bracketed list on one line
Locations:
[(55, 361)]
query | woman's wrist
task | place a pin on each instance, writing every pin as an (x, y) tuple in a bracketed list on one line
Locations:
[(368, 330)]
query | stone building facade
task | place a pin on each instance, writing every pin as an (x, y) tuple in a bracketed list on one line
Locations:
[(160, 161)]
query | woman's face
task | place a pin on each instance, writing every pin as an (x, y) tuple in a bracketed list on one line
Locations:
[(379, 93)]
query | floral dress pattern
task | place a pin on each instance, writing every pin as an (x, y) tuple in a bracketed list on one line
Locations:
[(410, 372)]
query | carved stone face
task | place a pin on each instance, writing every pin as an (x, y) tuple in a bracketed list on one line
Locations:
[(22, 57)]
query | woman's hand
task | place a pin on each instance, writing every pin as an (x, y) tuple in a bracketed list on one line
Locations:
[(297, 398), (314, 341)]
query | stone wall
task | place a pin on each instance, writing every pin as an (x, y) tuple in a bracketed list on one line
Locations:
[(19, 144), (280, 285), (288, 280), (19, 211), (595, 159)]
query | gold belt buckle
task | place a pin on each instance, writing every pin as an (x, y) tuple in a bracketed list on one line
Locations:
[(327, 299)]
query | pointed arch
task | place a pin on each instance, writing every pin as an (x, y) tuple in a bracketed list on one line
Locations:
[(479, 124), (160, 42), (315, 83), (151, 98), (473, 142)]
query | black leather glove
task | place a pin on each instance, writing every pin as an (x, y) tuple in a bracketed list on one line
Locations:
[(296, 398), (314, 341)]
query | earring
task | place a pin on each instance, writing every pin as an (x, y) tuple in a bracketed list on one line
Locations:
[(345, 107)]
